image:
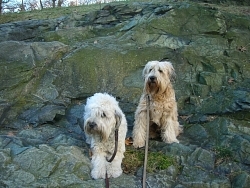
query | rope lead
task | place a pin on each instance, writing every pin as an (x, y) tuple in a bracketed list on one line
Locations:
[(146, 146)]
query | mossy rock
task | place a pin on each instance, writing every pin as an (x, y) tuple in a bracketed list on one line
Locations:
[(188, 19), (111, 70)]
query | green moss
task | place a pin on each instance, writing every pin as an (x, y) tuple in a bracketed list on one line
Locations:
[(53, 36), (47, 13), (156, 160), (223, 152), (159, 161), (186, 20), (241, 115), (110, 65), (65, 35), (133, 159), (51, 13)]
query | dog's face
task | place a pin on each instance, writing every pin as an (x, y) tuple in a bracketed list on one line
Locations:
[(157, 76), (100, 120)]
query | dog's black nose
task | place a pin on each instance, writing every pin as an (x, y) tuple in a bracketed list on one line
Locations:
[(152, 78), (92, 125)]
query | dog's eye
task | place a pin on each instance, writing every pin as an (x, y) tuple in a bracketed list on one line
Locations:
[(160, 71), (150, 70), (103, 115)]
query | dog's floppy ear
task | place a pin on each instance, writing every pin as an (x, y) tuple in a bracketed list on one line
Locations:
[(118, 117), (146, 69), (172, 75), (144, 72), (171, 71)]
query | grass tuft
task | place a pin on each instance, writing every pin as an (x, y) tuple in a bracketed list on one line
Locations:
[(222, 154), (134, 159)]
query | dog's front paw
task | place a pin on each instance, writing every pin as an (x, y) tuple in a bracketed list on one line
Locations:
[(170, 141), (137, 144), (115, 172), (97, 174), (175, 140)]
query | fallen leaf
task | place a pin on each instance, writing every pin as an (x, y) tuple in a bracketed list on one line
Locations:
[(219, 161), (242, 48), (11, 133), (230, 80), (128, 141), (185, 118)]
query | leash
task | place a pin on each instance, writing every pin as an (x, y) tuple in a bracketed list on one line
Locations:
[(116, 145), (115, 150), (146, 145)]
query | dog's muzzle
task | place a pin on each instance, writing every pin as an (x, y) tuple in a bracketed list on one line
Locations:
[(92, 125), (152, 79)]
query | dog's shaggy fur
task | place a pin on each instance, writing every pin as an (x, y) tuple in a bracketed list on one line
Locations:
[(163, 108), (102, 114)]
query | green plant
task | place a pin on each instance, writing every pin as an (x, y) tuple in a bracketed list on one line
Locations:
[(159, 161), (135, 159), (222, 153)]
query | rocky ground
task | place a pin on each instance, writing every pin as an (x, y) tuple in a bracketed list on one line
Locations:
[(49, 67)]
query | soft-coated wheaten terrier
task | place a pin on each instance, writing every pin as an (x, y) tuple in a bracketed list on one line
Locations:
[(102, 114), (163, 108)]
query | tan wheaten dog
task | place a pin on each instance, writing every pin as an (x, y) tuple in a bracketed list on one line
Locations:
[(163, 108)]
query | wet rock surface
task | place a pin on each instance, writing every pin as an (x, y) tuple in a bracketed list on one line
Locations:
[(49, 67)]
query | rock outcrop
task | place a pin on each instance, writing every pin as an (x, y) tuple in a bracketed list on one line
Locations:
[(49, 67)]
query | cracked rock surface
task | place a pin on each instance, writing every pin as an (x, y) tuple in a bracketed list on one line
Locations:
[(48, 68)]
